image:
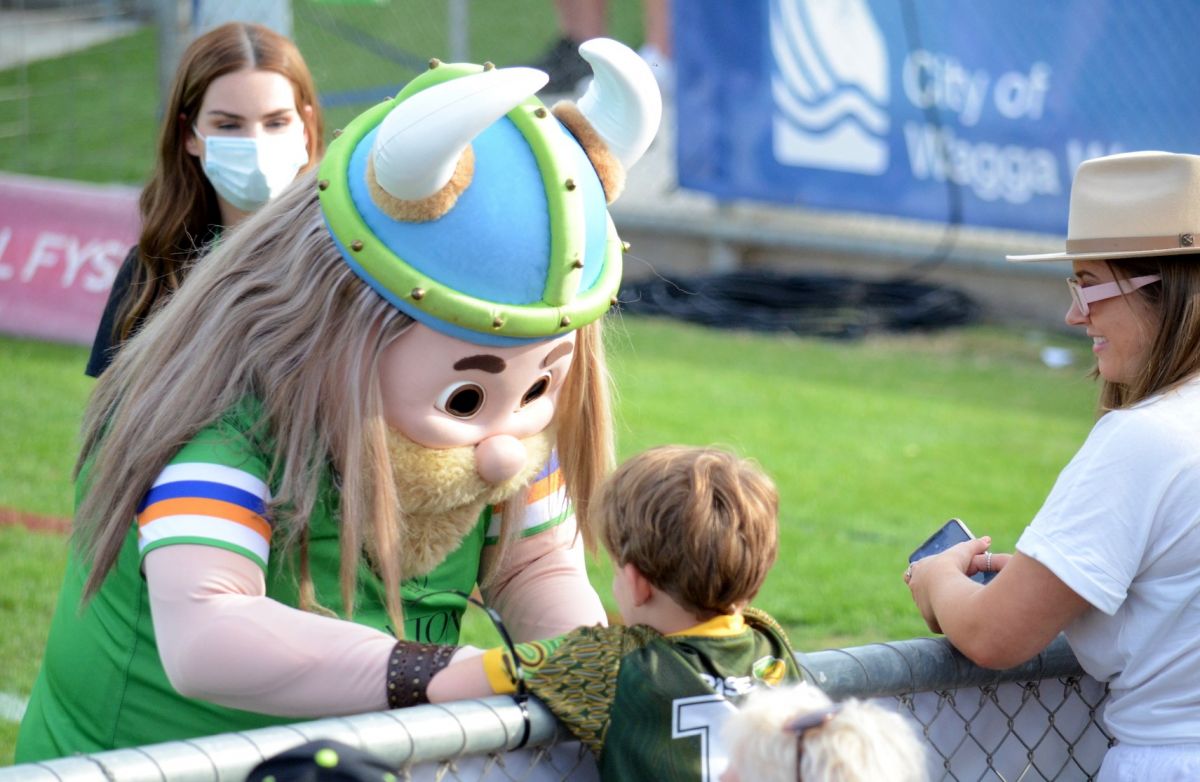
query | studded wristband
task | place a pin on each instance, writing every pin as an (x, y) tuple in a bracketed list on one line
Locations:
[(411, 666)]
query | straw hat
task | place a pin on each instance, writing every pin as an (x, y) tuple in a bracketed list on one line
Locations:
[(1132, 204)]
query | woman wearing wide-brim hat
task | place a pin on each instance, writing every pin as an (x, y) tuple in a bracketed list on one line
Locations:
[(1113, 556)]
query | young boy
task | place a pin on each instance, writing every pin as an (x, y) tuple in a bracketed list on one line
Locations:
[(692, 534)]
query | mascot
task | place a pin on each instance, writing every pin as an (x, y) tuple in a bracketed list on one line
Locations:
[(384, 389)]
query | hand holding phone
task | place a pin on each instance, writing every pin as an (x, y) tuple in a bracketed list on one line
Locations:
[(951, 533)]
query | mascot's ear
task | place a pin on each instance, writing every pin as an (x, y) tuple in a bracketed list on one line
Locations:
[(421, 160), (618, 115)]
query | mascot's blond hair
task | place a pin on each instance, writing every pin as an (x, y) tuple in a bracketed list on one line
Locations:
[(798, 733)]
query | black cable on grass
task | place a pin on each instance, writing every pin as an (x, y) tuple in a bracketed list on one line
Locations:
[(808, 304)]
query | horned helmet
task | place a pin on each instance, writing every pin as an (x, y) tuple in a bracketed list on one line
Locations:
[(480, 213)]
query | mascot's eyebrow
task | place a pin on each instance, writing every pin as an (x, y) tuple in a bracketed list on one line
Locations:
[(563, 349), (485, 362)]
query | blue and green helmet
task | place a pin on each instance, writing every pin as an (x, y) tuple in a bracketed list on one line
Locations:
[(477, 211)]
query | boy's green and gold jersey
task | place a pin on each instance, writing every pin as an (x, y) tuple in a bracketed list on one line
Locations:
[(648, 705)]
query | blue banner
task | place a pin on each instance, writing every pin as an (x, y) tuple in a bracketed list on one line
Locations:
[(971, 111)]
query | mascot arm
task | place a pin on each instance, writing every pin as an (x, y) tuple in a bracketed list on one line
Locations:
[(221, 639), (541, 588)]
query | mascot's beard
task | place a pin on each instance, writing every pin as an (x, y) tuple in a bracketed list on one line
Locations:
[(440, 495)]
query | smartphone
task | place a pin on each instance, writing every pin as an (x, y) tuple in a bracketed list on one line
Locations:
[(951, 533)]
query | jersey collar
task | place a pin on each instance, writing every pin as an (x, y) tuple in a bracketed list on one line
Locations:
[(717, 627)]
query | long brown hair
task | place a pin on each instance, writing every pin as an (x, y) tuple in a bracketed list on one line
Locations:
[(275, 313), (1174, 354), (178, 205)]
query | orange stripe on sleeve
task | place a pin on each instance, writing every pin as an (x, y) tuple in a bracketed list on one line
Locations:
[(199, 506), (545, 487)]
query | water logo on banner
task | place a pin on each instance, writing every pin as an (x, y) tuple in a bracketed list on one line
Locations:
[(830, 86)]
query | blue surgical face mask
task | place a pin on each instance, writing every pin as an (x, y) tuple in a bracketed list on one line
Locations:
[(248, 172)]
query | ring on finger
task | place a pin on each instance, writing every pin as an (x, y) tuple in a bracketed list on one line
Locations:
[(908, 574), (987, 562)]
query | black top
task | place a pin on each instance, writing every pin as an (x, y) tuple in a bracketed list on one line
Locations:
[(103, 348)]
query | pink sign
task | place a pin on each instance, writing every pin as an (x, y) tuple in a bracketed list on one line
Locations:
[(61, 244)]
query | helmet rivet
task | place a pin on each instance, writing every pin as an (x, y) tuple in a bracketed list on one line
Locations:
[(417, 293), (625, 246), (488, 66), (434, 62), (337, 132), (323, 184), (540, 112), (577, 264), (570, 184), (614, 301), (564, 322), (356, 245), (497, 322)]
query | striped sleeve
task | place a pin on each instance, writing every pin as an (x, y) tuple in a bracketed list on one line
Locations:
[(546, 504), (209, 504)]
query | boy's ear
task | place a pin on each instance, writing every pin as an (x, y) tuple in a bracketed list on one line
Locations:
[(640, 588)]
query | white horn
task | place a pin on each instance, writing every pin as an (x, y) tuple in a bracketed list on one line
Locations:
[(419, 143), (622, 103)]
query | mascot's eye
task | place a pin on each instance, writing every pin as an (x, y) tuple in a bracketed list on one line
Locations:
[(461, 400), (536, 390)]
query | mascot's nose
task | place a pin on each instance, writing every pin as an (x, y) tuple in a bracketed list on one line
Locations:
[(499, 458)]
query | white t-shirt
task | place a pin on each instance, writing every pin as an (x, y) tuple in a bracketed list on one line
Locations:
[(1122, 529)]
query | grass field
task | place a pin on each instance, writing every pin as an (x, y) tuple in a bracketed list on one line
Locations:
[(873, 444)]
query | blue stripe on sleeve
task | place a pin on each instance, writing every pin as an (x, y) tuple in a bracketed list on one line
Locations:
[(548, 470), (207, 490)]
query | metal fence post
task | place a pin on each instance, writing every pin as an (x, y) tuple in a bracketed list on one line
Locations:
[(170, 46), (459, 23)]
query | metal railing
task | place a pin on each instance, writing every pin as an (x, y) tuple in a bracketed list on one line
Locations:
[(1039, 721), (466, 740)]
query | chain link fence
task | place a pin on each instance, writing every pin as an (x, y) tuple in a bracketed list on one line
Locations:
[(1040, 721), (1047, 729)]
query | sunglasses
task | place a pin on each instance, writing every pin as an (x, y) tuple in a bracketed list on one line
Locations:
[(1082, 296)]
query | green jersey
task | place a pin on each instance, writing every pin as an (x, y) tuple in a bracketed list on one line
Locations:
[(102, 684), (648, 705)]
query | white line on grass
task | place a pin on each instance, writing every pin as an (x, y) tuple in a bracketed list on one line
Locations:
[(12, 707)]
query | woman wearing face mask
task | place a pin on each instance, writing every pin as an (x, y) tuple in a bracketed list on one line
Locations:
[(1113, 557), (241, 122)]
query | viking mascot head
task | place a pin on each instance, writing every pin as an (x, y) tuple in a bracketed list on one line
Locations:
[(482, 216)]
